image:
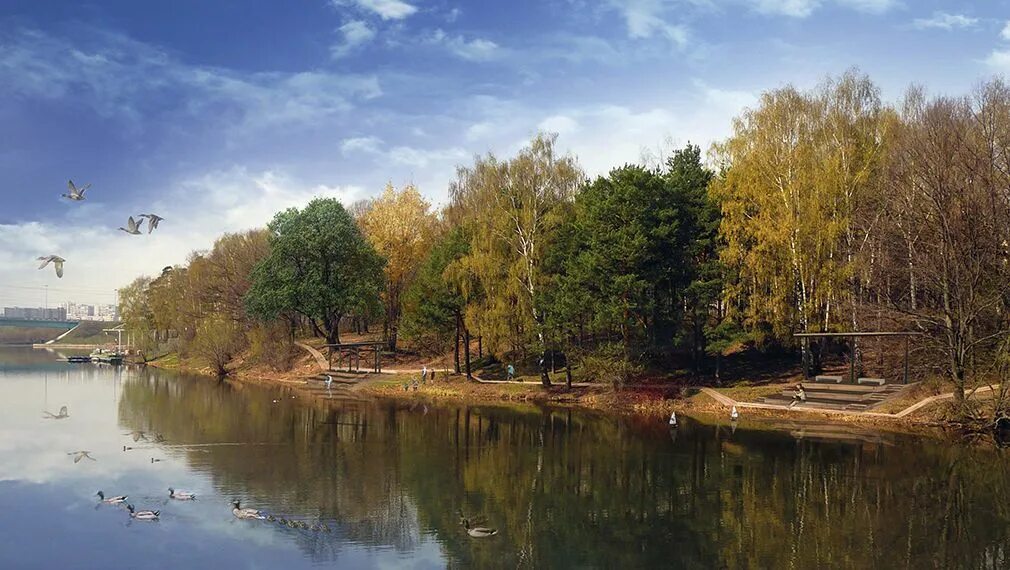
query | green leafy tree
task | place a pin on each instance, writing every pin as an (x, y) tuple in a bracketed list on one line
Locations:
[(319, 266), (434, 302)]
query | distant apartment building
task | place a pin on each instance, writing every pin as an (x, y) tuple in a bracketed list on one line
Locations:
[(84, 312), (35, 314)]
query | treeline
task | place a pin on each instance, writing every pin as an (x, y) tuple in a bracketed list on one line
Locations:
[(826, 210)]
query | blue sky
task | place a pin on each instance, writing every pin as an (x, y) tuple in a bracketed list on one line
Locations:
[(217, 114)]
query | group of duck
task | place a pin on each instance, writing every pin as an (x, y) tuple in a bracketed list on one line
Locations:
[(237, 511), (133, 225)]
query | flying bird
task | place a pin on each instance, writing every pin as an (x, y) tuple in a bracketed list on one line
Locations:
[(76, 194), (56, 260), (79, 455), (132, 226), (62, 415), (152, 221)]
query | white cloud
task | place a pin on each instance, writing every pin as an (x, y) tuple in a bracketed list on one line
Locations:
[(609, 135), (561, 124), (479, 130), (386, 9), (646, 19), (999, 60), (356, 33), (944, 21), (870, 6), (477, 49), (452, 15), (421, 158), (804, 8), (129, 79), (792, 8), (1005, 34), (368, 144)]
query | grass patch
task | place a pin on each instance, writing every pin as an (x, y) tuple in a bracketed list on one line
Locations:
[(747, 392), (170, 361)]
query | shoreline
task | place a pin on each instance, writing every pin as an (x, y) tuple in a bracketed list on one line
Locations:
[(640, 404)]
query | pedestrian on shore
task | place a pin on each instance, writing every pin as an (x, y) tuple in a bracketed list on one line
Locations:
[(800, 396), (510, 372), (432, 375), (424, 373)]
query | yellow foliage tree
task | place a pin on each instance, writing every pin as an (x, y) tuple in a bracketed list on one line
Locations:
[(801, 180), (400, 226)]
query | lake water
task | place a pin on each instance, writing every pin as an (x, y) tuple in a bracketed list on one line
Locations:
[(565, 489)]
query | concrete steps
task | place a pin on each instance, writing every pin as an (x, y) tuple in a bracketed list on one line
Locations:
[(830, 396)]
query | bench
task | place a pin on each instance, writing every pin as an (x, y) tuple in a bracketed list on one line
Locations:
[(877, 381), (835, 379)]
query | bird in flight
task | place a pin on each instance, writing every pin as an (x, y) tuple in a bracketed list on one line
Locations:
[(132, 226), (76, 194), (56, 260), (62, 415), (152, 221), (79, 455)]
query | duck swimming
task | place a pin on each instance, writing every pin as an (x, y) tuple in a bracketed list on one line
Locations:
[(181, 495), (478, 531), (241, 513), (143, 515), (111, 500)]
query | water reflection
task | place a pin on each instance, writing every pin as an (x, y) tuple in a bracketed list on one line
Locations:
[(564, 489)]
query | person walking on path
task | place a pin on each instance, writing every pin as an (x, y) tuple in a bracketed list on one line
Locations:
[(424, 373), (510, 372)]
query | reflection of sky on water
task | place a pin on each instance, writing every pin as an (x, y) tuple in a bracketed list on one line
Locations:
[(53, 499)]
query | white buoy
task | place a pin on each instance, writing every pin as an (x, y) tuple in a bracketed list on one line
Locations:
[(733, 414), (673, 419)]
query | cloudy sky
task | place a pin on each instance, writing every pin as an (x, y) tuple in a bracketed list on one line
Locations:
[(217, 114)]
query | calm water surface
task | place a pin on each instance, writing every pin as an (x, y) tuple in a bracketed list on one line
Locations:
[(565, 489)]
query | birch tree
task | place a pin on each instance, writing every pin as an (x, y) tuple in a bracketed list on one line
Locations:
[(513, 203)]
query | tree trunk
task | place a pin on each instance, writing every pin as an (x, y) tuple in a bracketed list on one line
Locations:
[(466, 346), (545, 378), (393, 332), (480, 346), (568, 373), (456, 344)]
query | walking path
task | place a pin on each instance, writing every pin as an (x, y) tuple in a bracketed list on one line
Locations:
[(324, 366), (730, 402), (723, 399)]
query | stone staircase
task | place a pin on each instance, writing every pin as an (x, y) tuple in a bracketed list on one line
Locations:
[(847, 397), (339, 389)]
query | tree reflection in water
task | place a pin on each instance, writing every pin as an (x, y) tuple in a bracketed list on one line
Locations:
[(571, 489)]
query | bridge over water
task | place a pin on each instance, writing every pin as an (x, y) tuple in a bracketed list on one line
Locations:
[(28, 323)]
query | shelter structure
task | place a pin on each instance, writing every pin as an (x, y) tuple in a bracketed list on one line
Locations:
[(853, 338), (350, 354)]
